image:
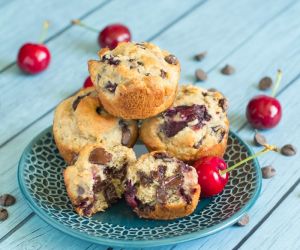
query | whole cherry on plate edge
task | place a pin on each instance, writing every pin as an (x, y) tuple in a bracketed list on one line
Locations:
[(263, 111), (34, 58), (111, 35), (213, 173)]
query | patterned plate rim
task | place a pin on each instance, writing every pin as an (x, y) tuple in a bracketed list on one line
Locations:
[(137, 243)]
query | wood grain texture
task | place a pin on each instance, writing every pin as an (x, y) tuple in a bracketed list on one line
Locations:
[(281, 230), (70, 53), (256, 37), (21, 21)]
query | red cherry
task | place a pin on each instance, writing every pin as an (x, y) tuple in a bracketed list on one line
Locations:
[(33, 58), (263, 112), (88, 83), (209, 177), (113, 34)]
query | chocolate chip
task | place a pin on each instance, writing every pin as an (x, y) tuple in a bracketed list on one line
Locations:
[(228, 70), (163, 74), (116, 173), (80, 190), (111, 87), (243, 221), (200, 56), (110, 193), (171, 59), (259, 139), (186, 197), (288, 150), (7, 200), (3, 214), (77, 101), (99, 110), (200, 75), (223, 103), (147, 74), (174, 181), (160, 155), (144, 178), (126, 133), (265, 83), (268, 172), (140, 63), (111, 60), (99, 156)]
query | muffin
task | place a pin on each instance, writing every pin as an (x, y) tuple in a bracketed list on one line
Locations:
[(161, 187), (81, 120), (96, 180), (135, 80), (195, 126)]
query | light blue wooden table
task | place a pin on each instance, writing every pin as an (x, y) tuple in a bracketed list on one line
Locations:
[(256, 37)]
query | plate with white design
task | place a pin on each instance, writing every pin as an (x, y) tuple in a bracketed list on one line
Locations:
[(41, 182)]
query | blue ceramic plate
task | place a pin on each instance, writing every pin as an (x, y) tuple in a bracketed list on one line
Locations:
[(41, 182)]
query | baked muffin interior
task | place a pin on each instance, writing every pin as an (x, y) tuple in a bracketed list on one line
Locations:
[(96, 180), (159, 180)]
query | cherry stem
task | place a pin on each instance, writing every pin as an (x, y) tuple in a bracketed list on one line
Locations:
[(79, 23), (266, 149), (44, 31), (277, 83)]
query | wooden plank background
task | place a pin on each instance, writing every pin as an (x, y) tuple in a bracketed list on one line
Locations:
[(256, 37)]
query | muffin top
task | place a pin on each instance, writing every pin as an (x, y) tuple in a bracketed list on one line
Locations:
[(141, 64), (196, 118)]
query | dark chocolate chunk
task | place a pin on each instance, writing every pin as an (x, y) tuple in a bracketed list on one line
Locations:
[(200, 75), (171, 59), (200, 56), (110, 193), (116, 173), (186, 197), (111, 87), (163, 74), (243, 221), (126, 133), (259, 139), (99, 156), (3, 214), (145, 180), (265, 83), (174, 181), (268, 172), (163, 156), (223, 103), (140, 63), (111, 60), (187, 114), (228, 70), (77, 101), (7, 200), (288, 150)]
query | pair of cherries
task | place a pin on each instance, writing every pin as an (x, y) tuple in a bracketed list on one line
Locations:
[(34, 58)]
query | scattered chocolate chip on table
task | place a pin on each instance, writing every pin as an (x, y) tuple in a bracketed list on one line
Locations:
[(7, 200), (265, 83), (243, 221), (200, 75), (288, 150), (228, 70), (199, 57), (3, 214), (268, 172), (259, 139)]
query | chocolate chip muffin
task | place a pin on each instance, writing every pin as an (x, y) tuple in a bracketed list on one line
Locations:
[(96, 180), (135, 80), (161, 187), (195, 126), (81, 120)]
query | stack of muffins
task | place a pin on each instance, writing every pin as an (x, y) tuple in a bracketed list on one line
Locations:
[(96, 129)]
